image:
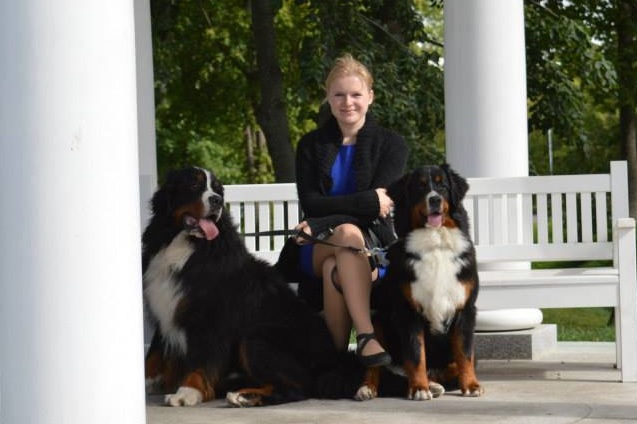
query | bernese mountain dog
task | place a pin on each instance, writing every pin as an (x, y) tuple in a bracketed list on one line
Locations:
[(426, 309), (221, 312)]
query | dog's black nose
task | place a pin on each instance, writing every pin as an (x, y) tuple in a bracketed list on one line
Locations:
[(215, 200), (435, 201)]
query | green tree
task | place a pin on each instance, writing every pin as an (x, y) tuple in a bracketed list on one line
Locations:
[(203, 61), (271, 108), (218, 82), (231, 74), (582, 79)]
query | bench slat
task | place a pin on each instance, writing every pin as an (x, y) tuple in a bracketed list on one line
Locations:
[(544, 252), (571, 218), (586, 217), (260, 192), (556, 218), (542, 219), (601, 225), (540, 184)]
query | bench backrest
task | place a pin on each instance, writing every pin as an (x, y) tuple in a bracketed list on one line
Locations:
[(547, 218), (537, 218), (258, 209)]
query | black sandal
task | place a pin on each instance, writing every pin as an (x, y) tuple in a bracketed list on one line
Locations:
[(377, 359)]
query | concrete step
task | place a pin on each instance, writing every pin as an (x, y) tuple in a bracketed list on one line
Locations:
[(521, 344)]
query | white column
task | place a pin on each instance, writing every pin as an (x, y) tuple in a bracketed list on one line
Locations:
[(485, 87), (70, 277), (146, 121), (485, 100), (145, 107)]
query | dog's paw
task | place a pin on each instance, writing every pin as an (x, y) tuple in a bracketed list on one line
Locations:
[(474, 390), (436, 389), (185, 396), (365, 392), (243, 399), (420, 394)]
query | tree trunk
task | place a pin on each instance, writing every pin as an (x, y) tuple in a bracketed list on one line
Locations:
[(271, 111), (627, 81), (249, 133)]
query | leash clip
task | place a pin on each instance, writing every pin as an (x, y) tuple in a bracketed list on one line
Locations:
[(380, 256)]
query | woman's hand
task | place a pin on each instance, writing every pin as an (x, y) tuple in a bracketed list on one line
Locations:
[(304, 227), (385, 202)]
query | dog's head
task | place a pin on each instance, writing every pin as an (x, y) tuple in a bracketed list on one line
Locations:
[(191, 199), (429, 196)]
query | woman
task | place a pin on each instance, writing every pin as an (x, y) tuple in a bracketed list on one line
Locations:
[(342, 171)]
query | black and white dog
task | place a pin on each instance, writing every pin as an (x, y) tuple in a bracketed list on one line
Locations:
[(426, 303), (219, 311)]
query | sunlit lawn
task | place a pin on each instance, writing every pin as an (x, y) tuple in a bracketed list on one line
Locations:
[(582, 324)]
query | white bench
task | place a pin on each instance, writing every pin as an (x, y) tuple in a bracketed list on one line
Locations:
[(515, 221)]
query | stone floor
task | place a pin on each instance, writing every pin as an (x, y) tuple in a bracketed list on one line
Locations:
[(573, 382)]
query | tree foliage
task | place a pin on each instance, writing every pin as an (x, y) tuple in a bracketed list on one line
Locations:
[(576, 82), (203, 60), (580, 79), (566, 72), (208, 89)]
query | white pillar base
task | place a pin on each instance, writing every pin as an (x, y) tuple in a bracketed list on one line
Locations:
[(508, 319)]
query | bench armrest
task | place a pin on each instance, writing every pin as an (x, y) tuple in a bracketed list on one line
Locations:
[(625, 223)]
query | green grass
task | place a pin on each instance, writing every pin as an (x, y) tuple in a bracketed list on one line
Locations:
[(582, 324)]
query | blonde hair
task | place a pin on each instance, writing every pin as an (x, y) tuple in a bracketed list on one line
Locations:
[(345, 66)]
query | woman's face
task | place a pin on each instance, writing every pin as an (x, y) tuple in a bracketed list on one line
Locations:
[(349, 98)]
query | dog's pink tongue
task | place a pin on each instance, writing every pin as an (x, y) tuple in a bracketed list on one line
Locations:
[(209, 228), (434, 220)]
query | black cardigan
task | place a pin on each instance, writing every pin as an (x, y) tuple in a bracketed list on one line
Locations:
[(380, 159)]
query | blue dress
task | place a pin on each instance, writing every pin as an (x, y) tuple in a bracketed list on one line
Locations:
[(344, 182)]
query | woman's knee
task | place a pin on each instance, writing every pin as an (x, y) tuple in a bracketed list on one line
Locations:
[(348, 233)]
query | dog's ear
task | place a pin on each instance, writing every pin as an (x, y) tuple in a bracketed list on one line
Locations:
[(398, 192), (459, 186), (160, 203)]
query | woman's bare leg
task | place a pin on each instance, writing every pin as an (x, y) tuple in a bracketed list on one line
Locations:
[(354, 277), (336, 314)]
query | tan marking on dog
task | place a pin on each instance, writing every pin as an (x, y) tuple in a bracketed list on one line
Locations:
[(467, 380), (417, 374), (199, 380), (369, 387)]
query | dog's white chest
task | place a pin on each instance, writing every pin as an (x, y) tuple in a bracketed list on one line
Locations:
[(162, 288), (436, 288)]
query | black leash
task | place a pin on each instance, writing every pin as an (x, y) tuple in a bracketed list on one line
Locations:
[(270, 233), (379, 254), (365, 251), (306, 236)]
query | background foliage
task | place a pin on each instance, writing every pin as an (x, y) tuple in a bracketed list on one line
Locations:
[(206, 86), (207, 90)]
